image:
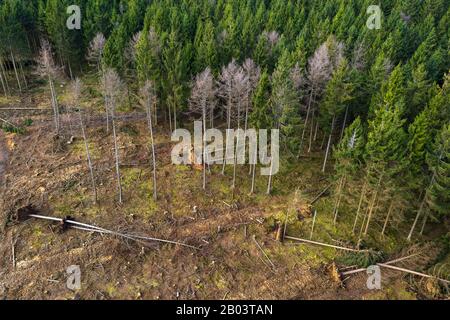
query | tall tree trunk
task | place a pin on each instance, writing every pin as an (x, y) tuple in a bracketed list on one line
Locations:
[(116, 155), (316, 131), (306, 120), (329, 144), (170, 115), (421, 209), (15, 72), (4, 78), (345, 123), (425, 219), (311, 133), (88, 155), (391, 207), (174, 114), (419, 213), (338, 199), (372, 206), (4, 69), (54, 105), (204, 145), (228, 127), (24, 78), (359, 206), (150, 128), (3, 83), (237, 146)]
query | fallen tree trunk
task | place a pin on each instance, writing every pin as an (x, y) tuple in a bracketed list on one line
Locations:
[(325, 244), (91, 228)]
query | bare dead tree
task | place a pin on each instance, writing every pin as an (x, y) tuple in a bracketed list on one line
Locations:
[(113, 89), (95, 56), (95, 51), (47, 68), (75, 90), (203, 93), (149, 99), (319, 72), (226, 91), (240, 92)]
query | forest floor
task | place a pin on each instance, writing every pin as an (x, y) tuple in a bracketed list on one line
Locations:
[(238, 258)]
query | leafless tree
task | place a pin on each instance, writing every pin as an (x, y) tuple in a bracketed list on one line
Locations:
[(46, 67), (130, 50), (95, 55), (240, 93), (148, 99), (203, 94), (226, 91), (319, 72), (113, 90), (272, 38), (75, 89), (95, 50)]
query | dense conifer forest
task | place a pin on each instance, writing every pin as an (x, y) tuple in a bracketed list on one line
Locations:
[(87, 116)]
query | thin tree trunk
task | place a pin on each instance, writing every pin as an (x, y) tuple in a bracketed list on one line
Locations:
[(2, 65), (253, 167), (425, 219), (362, 227), (338, 199), (54, 105), (204, 145), (150, 127), (359, 205), (116, 155), (237, 146), (269, 184), (316, 131), (23, 75), (3, 83), (228, 127), (422, 204), (174, 114), (313, 224), (345, 122), (311, 133), (15, 72), (329, 144), (306, 120), (421, 209), (387, 218), (70, 69), (170, 116), (88, 155), (372, 207)]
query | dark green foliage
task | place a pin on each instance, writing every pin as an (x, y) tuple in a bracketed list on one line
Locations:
[(438, 196)]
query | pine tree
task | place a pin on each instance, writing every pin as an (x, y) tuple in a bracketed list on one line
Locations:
[(261, 116), (438, 196), (349, 159), (385, 157), (285, 105)]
